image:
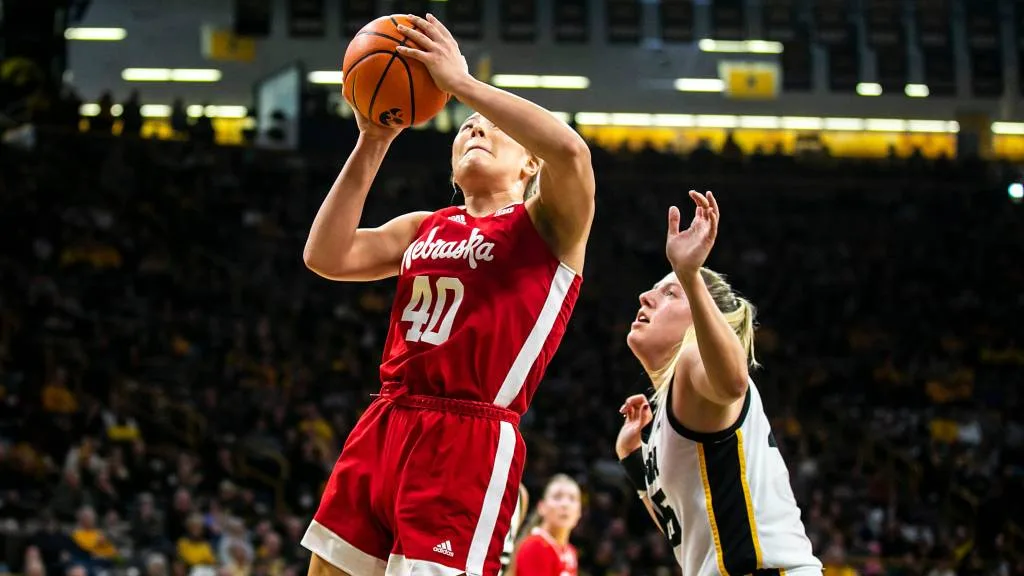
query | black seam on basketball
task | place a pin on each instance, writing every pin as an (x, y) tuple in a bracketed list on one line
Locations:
[(412, 91), (380, 82), (361, 58), (355, 100), (380, 35)]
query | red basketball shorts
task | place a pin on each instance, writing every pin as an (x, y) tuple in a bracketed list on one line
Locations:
[(423, 486)]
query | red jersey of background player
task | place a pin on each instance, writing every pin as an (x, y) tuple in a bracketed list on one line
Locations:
[(541, 555), (480, 308)]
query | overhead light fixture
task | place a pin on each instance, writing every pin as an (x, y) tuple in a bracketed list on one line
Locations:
[(325, 77), (699, 84), (551, 82), (741, 46), (917, 90), (170, 75), (768, 122), (1008, 128), (155, 111), (196, 110), (95, 34), (869, 89)]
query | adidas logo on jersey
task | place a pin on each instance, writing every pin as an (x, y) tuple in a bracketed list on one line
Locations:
[(444, 548), (471, 249), (460, 218), (504, 211)]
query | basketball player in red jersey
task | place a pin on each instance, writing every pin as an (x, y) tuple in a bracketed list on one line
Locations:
[(427, 480), (546, 551)]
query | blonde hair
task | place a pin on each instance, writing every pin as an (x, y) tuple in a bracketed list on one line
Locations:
[(738, 312)]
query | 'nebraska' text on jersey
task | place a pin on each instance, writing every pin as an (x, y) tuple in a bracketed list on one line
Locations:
[(480, 308)]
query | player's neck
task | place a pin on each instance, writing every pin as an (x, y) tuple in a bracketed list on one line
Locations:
[(560, 535), (488, 203)]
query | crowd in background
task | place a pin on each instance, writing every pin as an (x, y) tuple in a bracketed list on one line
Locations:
[(175, 385)]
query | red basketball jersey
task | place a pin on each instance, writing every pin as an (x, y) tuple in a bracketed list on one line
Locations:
[(541, 555), (481, 306)]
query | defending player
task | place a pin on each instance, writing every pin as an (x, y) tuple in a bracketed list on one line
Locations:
[(426, 482), (708, 470)]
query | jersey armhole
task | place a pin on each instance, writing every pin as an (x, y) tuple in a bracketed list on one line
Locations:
[(705, 437), (547, 247)]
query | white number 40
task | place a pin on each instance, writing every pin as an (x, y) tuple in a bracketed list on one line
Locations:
[(425, 313)]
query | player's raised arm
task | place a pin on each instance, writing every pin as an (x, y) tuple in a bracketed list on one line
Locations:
[(336, 248), (718, 366), (567, 179)]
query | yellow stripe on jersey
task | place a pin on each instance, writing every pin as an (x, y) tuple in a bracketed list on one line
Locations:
[(730, 509), (746, 497), (711, 513)]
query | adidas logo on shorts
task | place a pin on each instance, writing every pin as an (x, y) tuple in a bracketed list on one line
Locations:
[(444, 548)]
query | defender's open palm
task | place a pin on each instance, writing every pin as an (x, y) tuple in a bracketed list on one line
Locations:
[(438, 50), (688, 249)]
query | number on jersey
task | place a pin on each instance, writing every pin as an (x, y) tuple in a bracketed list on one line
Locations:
[(427, 305), (667, 518)]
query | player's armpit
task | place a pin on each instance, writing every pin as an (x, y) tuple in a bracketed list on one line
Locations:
[(376, 253), (723, 394)]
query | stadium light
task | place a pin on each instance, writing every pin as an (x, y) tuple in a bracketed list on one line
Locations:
[(1008, 128), (96, 34), (552, 82), (869, 89), (699, 84), (740, 46), (325, 77), (917, 90), (170, 75)]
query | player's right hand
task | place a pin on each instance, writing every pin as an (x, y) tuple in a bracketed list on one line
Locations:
[(637, 411), (373, 131)]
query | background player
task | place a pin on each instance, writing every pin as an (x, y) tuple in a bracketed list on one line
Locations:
[(427, 479), (709, 472), (545, 550)]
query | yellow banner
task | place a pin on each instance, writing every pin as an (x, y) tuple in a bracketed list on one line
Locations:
[(750, 80), (225, 45)]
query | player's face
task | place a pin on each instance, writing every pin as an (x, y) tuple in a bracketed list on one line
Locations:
[(561, 506), (484, 157), (661, 322)]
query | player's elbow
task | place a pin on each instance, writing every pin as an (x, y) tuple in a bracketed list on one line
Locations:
[(331, 268), (734, 386)]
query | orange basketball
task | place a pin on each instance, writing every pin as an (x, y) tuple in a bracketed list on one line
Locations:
[(383, 85)]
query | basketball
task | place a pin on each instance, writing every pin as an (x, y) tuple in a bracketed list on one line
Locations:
[(384, 86)]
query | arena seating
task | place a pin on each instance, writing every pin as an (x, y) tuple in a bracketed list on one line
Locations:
[(175, 385)]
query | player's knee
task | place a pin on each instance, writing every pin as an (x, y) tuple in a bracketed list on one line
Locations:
[(320, 567)]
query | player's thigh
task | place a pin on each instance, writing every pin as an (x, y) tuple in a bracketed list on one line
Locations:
[(455, 505), (320, 567)]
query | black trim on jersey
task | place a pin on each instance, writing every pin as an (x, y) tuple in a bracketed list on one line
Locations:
[(706, 437), (729, 505), (769, 572)]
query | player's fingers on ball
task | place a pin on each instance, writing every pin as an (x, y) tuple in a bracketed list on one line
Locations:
[(425, 25), (440, 26), (413, 53), (416, 36)]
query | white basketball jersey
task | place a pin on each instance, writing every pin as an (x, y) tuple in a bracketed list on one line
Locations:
[(724, 499)]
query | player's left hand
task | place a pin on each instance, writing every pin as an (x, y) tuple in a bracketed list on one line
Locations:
[(438, 50), (637, 413), (688, 249)]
